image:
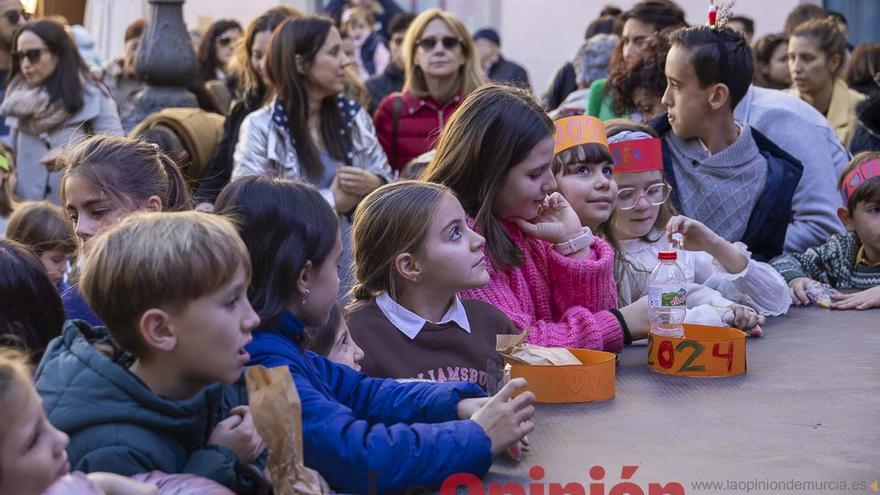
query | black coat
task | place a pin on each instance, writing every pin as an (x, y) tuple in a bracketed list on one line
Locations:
[(504, 70), (389, 81)]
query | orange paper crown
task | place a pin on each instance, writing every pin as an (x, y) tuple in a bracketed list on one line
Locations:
[(578, 130), (640, 155)]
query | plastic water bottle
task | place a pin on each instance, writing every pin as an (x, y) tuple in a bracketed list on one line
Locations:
[(667, 295)]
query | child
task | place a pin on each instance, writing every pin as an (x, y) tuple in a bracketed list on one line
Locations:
[(724, 173), (583, 167), (32, 456), (43, 227), (335, 341), (7, 186), (846, 261), (106, 179), (720, 274), (362, 434), (164, 394), (547, 272), (407, 314), (371, 54), (31, 313)]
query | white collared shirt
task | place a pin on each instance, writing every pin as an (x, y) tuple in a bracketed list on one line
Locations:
[(411, 324)]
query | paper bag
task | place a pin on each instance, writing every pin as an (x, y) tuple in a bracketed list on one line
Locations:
[(277, 411)]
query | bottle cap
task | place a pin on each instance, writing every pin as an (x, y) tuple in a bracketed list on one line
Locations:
[(667, 256)]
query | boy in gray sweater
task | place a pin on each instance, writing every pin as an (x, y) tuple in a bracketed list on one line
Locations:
[(724, 173)]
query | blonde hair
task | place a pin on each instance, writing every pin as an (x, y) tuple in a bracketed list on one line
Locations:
[(7, 195), (159, 259), (407, 206), (470, 75), (14, 372)]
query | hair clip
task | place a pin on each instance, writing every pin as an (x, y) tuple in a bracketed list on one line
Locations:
[(720, 14)]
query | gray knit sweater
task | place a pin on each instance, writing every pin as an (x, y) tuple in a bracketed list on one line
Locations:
[(719, 190), (832, 263)]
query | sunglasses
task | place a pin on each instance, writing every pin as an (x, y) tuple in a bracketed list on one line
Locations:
[(33, 55), (226, 41), (448, 42), (13, 16)]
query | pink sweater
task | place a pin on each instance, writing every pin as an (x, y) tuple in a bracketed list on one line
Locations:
[(565, 301)]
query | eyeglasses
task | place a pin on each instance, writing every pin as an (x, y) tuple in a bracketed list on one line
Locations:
[(226, 41), (448, 42), (656, 194), (33, 55), (13, 16)]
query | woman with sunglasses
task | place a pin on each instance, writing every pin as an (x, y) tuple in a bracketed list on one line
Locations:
[(721, 274), (216, 49), (442, 68), (52, 100)]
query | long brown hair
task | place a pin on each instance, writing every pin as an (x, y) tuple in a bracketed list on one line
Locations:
[(41, 226), (493, 130), (304, 38), (470, 74), (207, 53), (128, 170), (408, 206), (250, 83)]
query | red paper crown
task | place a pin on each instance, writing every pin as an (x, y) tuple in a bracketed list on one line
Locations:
[(858, 176), (574, 131), (640, 155)]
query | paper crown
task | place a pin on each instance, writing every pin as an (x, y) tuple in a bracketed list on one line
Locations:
[(858, 176), (578, 130), (640, 155)]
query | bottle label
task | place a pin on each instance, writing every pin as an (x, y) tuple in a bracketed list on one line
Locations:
[(657, 297)]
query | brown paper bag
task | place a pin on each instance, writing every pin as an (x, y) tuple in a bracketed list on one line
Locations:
[(514, 349), (277, 411)]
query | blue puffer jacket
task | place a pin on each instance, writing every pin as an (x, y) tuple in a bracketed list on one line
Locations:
[(354, 425), (117, 424)]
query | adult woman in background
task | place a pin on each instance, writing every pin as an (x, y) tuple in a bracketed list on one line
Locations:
[(52, 100), (816, 56), (217, 48), (442, 67), (771, 62), (253, 92)]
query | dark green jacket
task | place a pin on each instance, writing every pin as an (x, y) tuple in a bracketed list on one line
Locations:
[(116, 424)]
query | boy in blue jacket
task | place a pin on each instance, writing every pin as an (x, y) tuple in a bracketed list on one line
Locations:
[(172, 288)]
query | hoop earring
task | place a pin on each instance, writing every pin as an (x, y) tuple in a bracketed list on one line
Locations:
[(306, 296)]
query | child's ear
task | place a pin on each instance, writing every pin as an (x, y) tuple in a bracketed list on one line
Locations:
[(408, 267), (718, 96), (157, 330), (845, 218), (154, 204), (305, 278)]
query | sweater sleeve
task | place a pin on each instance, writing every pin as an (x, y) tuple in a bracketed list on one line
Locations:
[(815, 263), (581, 291), (759, 286), (358, 455)]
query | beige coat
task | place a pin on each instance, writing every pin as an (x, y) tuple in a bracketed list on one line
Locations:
[(842, 114)]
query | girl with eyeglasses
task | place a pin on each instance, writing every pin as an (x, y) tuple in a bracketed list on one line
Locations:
[(442, 68), (723, 276), (52, 100)]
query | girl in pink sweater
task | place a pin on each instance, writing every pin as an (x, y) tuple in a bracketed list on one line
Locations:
[(547, 272)]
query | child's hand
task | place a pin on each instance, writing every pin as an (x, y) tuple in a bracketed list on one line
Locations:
[(697, 237), (468, 407), (744, 318), (113, 484), (866, 299), (556, 221), (798, 287), (238, 434), (507, 420)]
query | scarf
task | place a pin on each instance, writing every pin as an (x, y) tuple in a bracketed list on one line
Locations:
[(32, 106)]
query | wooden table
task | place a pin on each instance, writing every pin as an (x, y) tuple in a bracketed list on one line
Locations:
[(807, 410)]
